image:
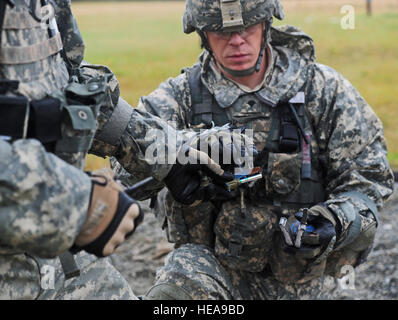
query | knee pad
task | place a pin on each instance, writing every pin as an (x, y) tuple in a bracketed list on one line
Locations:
[(167, 291)]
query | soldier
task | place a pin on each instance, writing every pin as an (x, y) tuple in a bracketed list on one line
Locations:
[(321, 150), (56, 219)]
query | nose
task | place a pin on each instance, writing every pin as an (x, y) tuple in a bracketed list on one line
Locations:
[(236, 39)]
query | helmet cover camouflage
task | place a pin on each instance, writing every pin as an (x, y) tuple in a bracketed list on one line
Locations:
[(228, 15)]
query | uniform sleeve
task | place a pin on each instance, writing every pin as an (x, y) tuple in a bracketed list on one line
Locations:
[(43, 200), (148, 144), (352, 149), (69, 30)]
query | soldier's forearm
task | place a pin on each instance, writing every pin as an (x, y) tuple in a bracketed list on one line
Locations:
[(44, 200)]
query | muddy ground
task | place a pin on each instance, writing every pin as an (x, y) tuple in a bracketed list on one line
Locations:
[(377, 278)]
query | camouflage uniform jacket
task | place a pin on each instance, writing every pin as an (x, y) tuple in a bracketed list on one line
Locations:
[(348, 140), (44, 200)]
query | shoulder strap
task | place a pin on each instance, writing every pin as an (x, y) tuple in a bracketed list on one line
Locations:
[(202, 100)]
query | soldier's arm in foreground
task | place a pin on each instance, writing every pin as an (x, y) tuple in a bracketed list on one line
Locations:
[(128, 133), (48, 206), (352, 151), (43, 200)]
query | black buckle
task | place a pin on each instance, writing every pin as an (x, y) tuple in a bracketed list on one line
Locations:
[(289, 137)]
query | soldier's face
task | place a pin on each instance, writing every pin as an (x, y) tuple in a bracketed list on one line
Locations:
[(237, 50)]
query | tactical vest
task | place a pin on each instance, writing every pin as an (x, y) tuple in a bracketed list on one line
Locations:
[(290, 162), (37, 98)]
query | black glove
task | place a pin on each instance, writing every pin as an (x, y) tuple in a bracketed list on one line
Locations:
[(185, 180), (229, 147), (111, 218), (319, 237)]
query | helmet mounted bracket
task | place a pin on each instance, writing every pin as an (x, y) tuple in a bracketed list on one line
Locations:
[(231, 12)]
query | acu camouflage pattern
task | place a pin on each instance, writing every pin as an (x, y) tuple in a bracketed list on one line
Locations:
[(43, 204), (47, 227), (207, 16), (244, 235), (348, 153), (44, 200), (198, 274), (39, 78)]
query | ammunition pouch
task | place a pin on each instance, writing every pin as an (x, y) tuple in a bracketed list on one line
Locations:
[(244, 235)]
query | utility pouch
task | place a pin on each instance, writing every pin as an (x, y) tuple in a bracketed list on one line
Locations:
[(283, 173), (289, 268), (185, 224), (81, 102), (45, 120), (38, 119), (243, 241), (14, 113)]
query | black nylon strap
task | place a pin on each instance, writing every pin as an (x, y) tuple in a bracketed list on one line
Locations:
[(114, 128), (289, 136), (200, 104), (203, 102), (69, 265)]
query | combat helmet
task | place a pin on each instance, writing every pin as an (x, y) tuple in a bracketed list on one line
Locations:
[(230, 16)]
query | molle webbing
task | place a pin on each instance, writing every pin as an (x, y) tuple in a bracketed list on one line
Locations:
[(32, 53), (20, 20)]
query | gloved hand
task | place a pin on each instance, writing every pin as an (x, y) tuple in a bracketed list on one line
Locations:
[(229, 147), (112, 216), (319, 237), (184, 180)]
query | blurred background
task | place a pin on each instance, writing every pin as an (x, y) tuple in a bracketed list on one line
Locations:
[(143, 43)]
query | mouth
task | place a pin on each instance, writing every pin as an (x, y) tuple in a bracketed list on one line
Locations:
[(237, 57)]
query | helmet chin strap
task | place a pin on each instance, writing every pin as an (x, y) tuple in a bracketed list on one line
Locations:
[(246, 72)]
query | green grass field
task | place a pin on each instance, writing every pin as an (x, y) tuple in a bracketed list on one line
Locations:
[(143, 44)]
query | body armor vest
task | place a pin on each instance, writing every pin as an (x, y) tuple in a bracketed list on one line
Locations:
[(37, 98), (290, 163)]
